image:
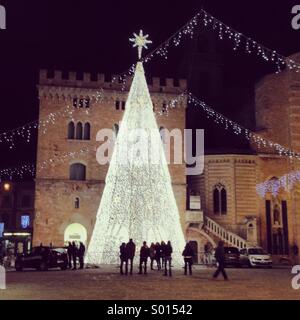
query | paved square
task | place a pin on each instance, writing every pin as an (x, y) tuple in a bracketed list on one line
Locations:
[(106, 283)]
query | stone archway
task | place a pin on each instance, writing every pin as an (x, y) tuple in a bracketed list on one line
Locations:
[(75, 232), (199, 237)]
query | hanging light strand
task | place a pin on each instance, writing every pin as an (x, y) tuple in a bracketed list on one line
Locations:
[(239, 42)]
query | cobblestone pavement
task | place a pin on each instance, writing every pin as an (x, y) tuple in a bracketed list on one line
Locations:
[(106, 283)]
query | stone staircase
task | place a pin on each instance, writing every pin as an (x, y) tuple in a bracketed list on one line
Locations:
[(220, 233)]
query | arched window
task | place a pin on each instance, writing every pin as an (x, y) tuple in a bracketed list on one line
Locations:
[(223, 201), (77, 172), (71, 130), (87, 131), (116, 129), (216, 201), (220, 199), (79, 131), (162, 133)]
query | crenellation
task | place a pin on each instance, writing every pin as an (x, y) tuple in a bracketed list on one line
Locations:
[(86, 81)]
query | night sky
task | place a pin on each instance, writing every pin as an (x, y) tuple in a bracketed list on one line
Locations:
[(92, 36)]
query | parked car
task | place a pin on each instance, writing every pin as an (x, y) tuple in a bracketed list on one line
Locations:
[(42, 258), (255, 257), (232, 257)]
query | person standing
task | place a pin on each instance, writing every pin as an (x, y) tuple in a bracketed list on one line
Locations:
[(74, 255), (81, 252), (167, 253), (130, 253), (122, 256), (152, 255), (158, 255), (70, 254), (188, 255), (220, 257), (144, 254), (162, 253)]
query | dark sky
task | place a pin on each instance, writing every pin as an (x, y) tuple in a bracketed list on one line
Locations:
[(93, 36)]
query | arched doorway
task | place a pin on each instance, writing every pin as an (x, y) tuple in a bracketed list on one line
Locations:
[(75, 232)]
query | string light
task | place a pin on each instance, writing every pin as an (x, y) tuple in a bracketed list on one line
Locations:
[(273, 186), (237, 129), (238, 39), (24, 132)]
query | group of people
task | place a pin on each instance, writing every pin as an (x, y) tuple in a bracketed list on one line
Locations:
[(75, 252), (161, 253)]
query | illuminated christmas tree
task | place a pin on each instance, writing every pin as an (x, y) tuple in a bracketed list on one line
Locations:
[(138, 200)]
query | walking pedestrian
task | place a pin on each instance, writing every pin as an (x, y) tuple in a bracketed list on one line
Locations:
[(70, 254), (188, 255), (81, 252), (74, 255), (122, 257), (220, 257), (130, 253), (167, 253), (158, 255), (152, 255), (144, 254)]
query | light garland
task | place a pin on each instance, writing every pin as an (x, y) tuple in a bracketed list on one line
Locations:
[(238, 129), (17, 172), (24, 132), (273, 186), (239, 42)]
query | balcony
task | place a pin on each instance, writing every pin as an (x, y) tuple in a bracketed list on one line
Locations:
[(194, 218)]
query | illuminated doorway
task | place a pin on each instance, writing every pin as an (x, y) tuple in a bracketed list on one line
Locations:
[(75, 232)]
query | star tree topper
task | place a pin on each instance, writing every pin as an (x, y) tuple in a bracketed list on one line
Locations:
[(140, 41)]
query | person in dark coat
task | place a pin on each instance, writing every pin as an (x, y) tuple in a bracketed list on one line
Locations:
[(152, 255), (70, 254), (81, 252), (122, 256), (220, 257), (74, 255), (162, 253), (167, 253), (144, 254), (188, 255), (130, 253), (158, 255)]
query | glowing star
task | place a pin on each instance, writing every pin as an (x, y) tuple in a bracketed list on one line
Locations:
[(140, 41)]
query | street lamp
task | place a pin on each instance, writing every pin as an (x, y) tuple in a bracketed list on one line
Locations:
[(7, 186)]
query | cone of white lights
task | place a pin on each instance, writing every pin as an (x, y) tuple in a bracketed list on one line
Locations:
[(138, 200)]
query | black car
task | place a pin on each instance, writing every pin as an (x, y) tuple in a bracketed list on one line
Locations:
[(42, 258), (232, 256)]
